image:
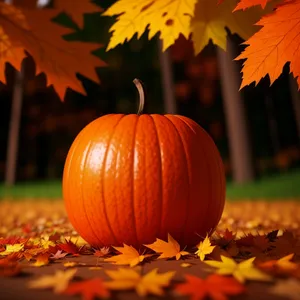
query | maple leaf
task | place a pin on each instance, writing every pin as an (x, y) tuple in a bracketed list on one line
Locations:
[(128, 279), (58, 255), (13, 240), (204, 248), (215, 287), (41, 260), (32, 30), (12, 249), (241, 271), (76, 11), (70, 264), (89, 289), (283, 264), (286, 288), (276, 42), (167, 249), (170, 18), (102, 252), (244, 4), (129, 256), (59, 281), (69, 247), (211, 19)]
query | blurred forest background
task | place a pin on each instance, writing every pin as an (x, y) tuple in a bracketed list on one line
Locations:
[(49, 126)]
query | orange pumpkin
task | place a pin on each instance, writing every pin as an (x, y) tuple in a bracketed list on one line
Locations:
[(134, 178)]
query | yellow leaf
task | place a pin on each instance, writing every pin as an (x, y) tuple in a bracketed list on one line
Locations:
[(129, 256), (210, 20), (128, 279), (204, 248), (167, 249), (69, 264), (41, 260), (169, 17), (59, 281), (12, 249), (241, 271), (95, 268), (185, 265)]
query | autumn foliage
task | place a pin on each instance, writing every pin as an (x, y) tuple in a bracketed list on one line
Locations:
[(269, 27), (28, 30)]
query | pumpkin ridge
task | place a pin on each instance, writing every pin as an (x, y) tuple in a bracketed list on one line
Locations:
[(188, 168), (67, 175), (133, 167), (216, 158), (81, 186), (161, 175), (103, 170), (207, 167)]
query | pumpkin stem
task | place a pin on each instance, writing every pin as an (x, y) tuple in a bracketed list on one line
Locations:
[(140, 89)]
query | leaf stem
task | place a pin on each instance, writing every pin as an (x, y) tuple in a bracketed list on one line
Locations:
[(139, 86)]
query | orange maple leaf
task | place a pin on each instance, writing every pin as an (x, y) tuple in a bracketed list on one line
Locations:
[(32, 30), (77, 11), (168, 249), (129, 256), (275, 44), (244, 4), (215, 287), (89, 289), (283, 264)]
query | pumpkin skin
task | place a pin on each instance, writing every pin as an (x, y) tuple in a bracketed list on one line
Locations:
[(134, 178)]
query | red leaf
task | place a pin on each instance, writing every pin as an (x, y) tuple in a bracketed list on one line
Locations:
[(89, 289), (215, 287)]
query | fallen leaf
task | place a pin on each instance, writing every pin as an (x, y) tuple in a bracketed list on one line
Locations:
[(12, 249), (129, 256), (216, 287), (241, 271), (58, 255), (204, 248), (129, 279), (210, 20), (170, 18), (89, 289), (41, 260), (276, 42), (287, 288), (282, 265), (70, 264), (95, 268), (185, 265), (168, 249), (69, 247), (58, 282), (102, 252)]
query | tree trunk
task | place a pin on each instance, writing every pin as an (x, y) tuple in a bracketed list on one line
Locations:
[(167, 80), (296, 102), (239, 143), (14, 127)]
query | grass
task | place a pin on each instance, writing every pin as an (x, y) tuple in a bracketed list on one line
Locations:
[(277, 186)]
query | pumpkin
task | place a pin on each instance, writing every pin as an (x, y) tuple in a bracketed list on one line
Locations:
[(134, 178)]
